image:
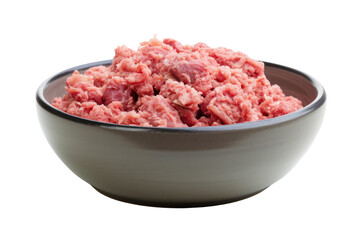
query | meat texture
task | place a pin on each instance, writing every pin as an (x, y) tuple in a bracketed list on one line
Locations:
[(167, 84)]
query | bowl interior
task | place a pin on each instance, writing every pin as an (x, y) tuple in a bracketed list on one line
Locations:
[(292, 82)]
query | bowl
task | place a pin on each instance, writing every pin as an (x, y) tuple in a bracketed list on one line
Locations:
[(184, 167)]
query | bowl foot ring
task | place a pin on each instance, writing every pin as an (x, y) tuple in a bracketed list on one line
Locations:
[(176, 204)]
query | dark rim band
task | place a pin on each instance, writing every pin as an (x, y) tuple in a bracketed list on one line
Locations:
[(318, 102)]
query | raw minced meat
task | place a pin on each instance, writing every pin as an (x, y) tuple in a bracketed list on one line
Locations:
[(167, 84)]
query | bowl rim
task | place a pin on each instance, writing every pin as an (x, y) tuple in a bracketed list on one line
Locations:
[(315, 104)]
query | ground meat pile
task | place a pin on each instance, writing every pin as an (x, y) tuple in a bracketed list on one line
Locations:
[(167, 84)]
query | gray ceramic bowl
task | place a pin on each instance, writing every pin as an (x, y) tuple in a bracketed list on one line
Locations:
[(184, 167)]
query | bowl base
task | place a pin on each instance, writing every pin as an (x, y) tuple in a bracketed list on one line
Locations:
[(176, 204)]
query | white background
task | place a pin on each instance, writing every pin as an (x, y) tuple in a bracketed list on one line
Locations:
[(42, 199)]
